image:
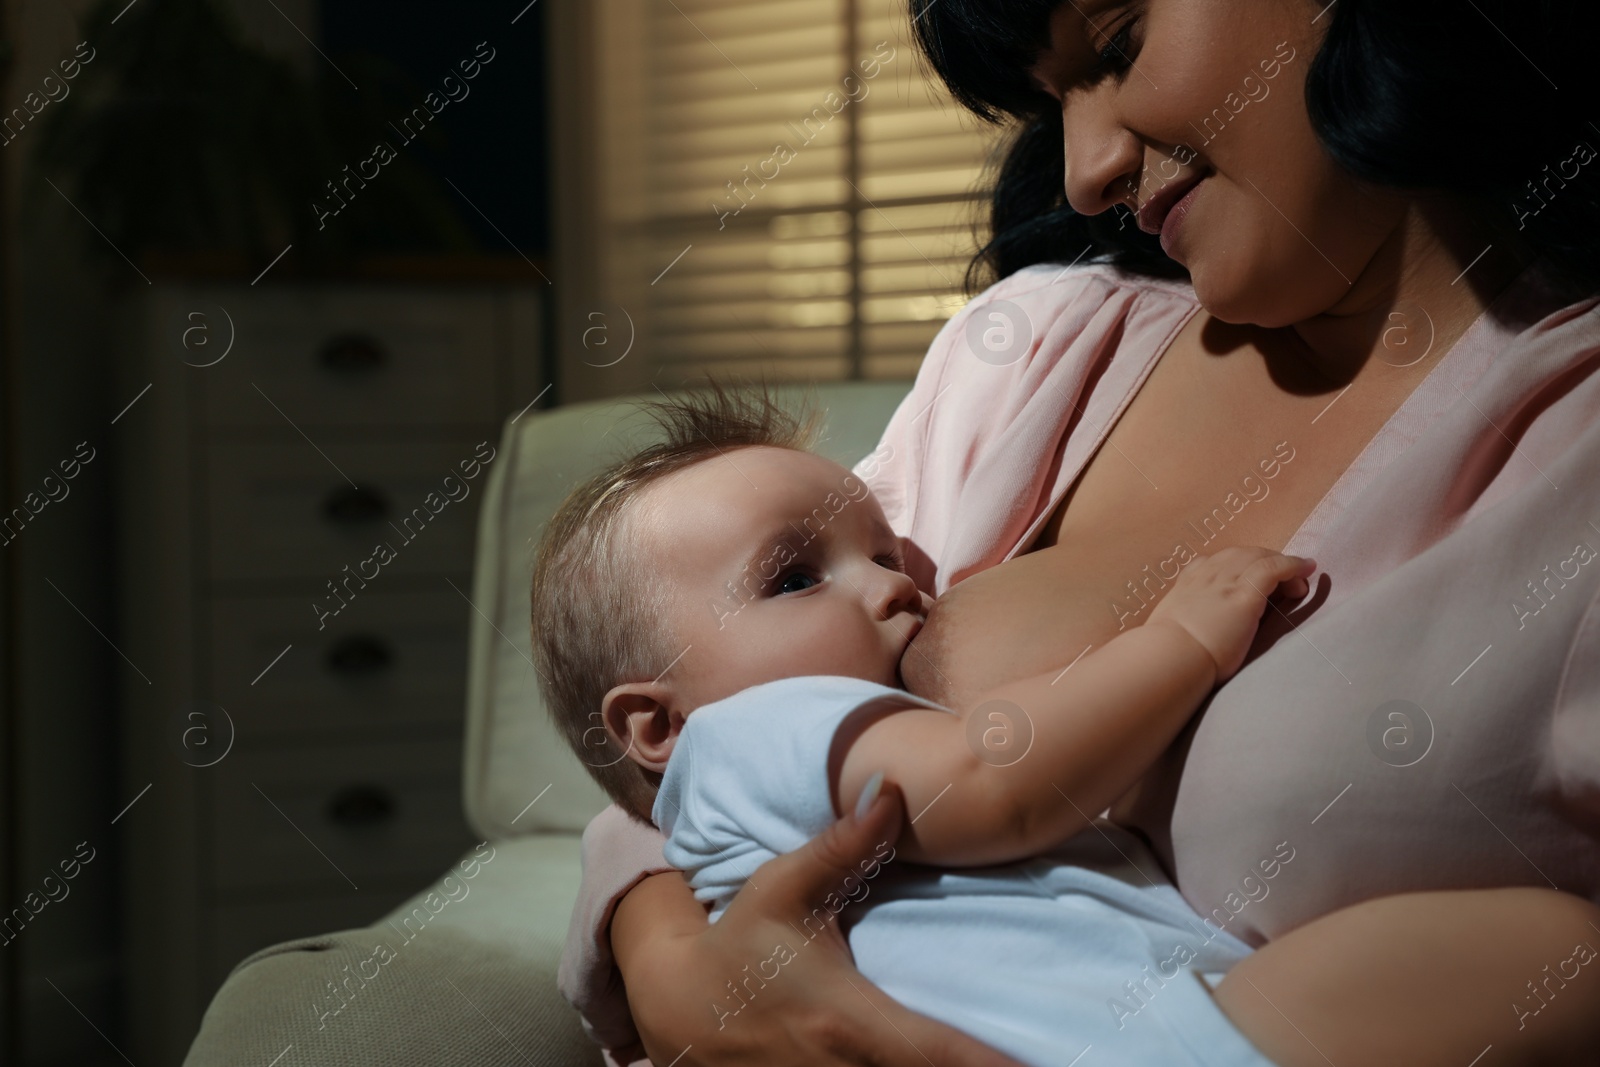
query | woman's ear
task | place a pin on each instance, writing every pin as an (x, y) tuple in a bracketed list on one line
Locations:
[(640, 721)]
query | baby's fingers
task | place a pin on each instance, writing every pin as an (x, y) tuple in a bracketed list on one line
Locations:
[(1281, 574)]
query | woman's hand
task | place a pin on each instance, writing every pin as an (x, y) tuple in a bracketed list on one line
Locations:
[(801, 1001)]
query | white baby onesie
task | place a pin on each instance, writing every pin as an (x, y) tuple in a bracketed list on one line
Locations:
[(1082, 956)]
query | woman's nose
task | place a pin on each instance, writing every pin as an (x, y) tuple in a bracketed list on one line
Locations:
[(1101, 158)]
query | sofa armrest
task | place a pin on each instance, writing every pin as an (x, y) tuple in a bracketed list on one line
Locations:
[(463, 973)]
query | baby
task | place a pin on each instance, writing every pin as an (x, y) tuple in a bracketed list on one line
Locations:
[(718, 622)]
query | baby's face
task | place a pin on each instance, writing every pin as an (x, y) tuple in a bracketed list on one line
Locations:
[(778, 563)]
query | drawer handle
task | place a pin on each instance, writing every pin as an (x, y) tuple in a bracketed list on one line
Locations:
[(355, 505), (359, 655), (361, 805), (352, 354)]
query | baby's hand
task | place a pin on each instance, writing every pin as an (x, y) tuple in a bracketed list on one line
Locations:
[(1219, 598)]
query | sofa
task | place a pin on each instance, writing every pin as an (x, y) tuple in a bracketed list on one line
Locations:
[(464, 971)]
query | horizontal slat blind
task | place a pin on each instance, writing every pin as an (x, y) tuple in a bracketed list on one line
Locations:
[(772, 217)]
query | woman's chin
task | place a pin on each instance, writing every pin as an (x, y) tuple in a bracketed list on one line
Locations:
[(1223, 302), (1232, 299)]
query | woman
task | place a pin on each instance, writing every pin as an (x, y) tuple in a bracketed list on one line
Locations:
[(1382, 357)]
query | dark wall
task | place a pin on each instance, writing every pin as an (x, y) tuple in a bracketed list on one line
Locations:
[(494, 139), (59, 666)]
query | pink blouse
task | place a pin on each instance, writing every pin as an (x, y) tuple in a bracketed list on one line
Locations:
[(1428, 718)]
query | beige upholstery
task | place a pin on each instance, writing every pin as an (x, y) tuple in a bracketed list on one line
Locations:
[(473, 985), (473, 981)]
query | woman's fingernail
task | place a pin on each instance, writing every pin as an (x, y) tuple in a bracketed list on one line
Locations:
[(869, 793)]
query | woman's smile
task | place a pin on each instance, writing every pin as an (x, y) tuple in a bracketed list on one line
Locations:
[(1175, 218), (1153, 212)]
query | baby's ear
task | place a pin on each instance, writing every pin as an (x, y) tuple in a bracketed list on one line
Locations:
[(640, 722)]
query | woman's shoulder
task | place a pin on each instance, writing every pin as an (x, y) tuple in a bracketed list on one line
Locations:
[(1043, 310), (1048, 311), (1543, 301), (1049, 318)]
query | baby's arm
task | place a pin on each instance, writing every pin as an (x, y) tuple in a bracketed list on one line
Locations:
[(1096, 728), (1094, 732)]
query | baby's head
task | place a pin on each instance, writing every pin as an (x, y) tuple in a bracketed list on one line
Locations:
[(724, 556)]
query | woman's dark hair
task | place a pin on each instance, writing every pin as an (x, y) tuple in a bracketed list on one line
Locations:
[(1488, 100)]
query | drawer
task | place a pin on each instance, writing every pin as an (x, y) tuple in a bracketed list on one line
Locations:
[(280, 510), (353, 358), (389, 659), (372, 813), (237, 930)]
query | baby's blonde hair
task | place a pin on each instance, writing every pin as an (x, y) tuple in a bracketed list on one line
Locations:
[(598, 620)]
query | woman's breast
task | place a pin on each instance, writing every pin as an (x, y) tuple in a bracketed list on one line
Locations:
[(1027, 616), (1179, 475), (1110, 552), (1398, 739)]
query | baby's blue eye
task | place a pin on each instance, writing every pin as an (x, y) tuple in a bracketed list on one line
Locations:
[(788, 584)]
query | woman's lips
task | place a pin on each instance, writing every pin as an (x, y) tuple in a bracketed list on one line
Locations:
[(1175, 217), (1153, 212)]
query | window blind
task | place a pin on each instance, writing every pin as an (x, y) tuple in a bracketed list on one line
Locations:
[(787, 189)]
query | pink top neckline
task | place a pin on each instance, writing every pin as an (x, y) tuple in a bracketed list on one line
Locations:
[(1528, 297)]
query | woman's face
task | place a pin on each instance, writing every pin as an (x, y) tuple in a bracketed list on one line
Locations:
[(1215, 89)]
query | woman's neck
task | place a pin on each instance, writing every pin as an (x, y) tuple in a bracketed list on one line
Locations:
[(1427, 284)]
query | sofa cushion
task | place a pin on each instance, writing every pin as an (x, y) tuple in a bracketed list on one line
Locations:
[(465, 976)]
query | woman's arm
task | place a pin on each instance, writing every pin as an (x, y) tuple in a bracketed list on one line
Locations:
[(618, 851), (818, 1011), (1428, 979)]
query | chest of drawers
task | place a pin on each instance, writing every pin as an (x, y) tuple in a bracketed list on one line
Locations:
[(299, 473)]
